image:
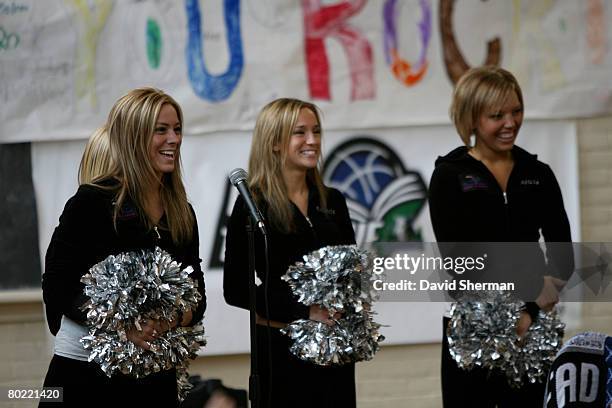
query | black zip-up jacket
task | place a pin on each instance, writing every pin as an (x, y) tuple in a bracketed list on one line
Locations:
[(467, 205), (324, 226), (86, 235)]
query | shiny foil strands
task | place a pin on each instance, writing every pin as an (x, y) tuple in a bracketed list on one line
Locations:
[(352, 338), (338, 278), (130, 288), (334, 277), (318, 342), (482, 333)]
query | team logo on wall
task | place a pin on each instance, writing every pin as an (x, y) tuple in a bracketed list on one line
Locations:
[(383, 197)]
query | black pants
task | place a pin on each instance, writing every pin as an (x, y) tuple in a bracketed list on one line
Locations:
[(296, 383), (86, 385), (481, 388)]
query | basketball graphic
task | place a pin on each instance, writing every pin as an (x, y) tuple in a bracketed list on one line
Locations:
[(383, 197)]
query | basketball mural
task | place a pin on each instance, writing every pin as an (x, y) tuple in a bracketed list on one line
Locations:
[(383, 197)]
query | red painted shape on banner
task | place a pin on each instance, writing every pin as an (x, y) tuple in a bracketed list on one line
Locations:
[(331, 21), (596, 31)]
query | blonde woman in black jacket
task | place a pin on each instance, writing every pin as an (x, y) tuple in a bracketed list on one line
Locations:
[(138, 203), (302, 215), (491, 190)]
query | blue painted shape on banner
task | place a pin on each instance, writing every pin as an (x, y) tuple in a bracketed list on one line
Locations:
[(213, 88), (369, 174)]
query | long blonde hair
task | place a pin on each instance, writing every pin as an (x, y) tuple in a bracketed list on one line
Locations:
[(130, 126), (96, 159), (479, 89), (273, 128)]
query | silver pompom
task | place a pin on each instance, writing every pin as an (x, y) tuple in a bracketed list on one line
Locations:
[(338, 278), (129, 288), (334, 277), (351, 338), (482, 333), (318, 342)]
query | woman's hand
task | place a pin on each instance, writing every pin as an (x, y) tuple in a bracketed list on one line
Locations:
[(523, 324), (549, 296), (319, 314), (219, 399), (150, 330), (546, 300), (187, 317)]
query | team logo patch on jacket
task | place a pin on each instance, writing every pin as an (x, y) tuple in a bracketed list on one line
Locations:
[(470, 182), (127, 212)]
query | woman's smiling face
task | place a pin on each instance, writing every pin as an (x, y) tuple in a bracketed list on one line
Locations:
[(304, 146), (166, 140), (498, 128)]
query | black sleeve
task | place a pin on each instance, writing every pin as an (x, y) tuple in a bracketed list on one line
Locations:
[(556, 230), (444, 205), (446, 211), (282, 304), (194, 260), (449, 219), (343, 216), (66, 259), (235, 267), (533, 310)]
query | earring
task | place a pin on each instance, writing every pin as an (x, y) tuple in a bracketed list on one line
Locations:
[(472, 140)]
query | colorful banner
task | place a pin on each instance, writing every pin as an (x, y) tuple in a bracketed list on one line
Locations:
[(385, 189), (368, 64)]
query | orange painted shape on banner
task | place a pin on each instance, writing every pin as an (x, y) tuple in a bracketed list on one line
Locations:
[(402, 70)]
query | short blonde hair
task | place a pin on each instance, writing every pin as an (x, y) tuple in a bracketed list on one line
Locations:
[(477, 90), (96, 160), (271, 137)]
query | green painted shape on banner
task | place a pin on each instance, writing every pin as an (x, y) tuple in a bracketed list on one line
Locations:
[(154, 43), (405, 214)]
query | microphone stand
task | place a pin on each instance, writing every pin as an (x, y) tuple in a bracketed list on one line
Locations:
[(254, 390)]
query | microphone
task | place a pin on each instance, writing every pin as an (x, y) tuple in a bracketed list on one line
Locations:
[(238, 179)]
